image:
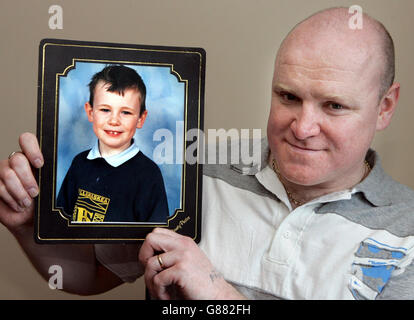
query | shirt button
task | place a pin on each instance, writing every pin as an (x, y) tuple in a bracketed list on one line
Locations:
[(286, 234)]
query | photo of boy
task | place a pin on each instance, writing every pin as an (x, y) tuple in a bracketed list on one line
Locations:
[(114, 181)]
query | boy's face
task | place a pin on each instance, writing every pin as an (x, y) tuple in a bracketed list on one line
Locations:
[(115, 118)]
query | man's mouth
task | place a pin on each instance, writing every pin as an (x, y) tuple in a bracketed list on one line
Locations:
[(302, 148)]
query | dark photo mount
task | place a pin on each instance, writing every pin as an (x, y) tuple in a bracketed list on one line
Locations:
[(59, 61)]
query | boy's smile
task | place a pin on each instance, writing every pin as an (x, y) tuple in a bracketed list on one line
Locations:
[(115, 118), (112, 133)]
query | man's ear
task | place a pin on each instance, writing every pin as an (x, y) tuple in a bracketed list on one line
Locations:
[(141, 119), (387, 106), (89, 111)]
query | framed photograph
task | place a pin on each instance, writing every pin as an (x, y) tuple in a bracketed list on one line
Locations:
[(120, 127)]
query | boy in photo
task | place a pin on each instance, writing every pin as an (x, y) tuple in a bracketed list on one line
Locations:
[(114, 181)]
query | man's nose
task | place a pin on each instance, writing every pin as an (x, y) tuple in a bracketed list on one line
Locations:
[(306, 123)]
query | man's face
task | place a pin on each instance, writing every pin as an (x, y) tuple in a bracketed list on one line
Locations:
[(115, 118), (323, 116)]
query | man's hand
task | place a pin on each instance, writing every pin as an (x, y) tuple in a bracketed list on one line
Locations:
[(83, 274), (175, 267), (18, 186)]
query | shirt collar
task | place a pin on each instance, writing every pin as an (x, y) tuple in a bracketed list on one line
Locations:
[(117, 159), (258, 163), (373, 187)]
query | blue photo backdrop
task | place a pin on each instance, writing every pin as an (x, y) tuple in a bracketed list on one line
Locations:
[(165, 104)]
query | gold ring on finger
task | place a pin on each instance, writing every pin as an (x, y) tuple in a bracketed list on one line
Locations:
[(13, 153), (160, 261)]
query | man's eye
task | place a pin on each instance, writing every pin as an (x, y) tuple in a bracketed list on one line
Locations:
[(336, 106), (286, 96), (126, 112)]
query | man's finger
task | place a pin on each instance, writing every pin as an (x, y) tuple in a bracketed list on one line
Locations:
[(155, 242), (159, 263), (163, 261), (14, 188), (167, 232), (162, 284), (21, 167), (30, 147), (8, 199)]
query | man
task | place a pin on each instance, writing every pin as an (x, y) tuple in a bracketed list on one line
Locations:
[(317, 218)]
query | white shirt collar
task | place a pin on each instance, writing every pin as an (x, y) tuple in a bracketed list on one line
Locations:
[(271, 182), (117, 159)]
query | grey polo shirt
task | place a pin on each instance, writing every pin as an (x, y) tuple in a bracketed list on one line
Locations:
[(352, 244)]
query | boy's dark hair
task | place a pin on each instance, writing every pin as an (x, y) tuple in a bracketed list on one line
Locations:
[(119, 78)]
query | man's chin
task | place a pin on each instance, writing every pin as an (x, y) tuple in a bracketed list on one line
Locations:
[(306, 178)]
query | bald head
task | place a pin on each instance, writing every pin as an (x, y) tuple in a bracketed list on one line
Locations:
[(326, 35)]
